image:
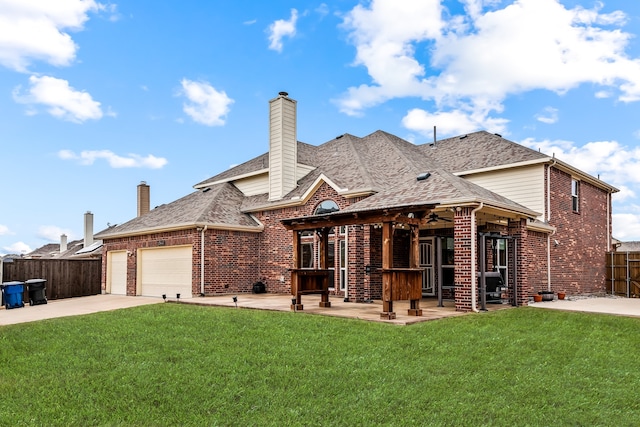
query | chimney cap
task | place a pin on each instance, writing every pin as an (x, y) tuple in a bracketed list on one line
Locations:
[(283, 94)]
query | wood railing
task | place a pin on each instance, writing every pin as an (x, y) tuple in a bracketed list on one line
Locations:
[(401, 284), (310, 281)]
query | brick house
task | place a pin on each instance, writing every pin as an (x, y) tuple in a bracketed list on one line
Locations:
[(367, 215)]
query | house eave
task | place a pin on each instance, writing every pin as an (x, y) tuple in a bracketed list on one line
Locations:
[(583, 176), (301, 200), (232, 178), (188, 226)]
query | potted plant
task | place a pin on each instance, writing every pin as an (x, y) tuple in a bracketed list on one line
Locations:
[(561, 294), (537, 298)]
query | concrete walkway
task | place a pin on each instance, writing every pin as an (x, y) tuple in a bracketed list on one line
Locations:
[(71, 307), (608, 305)]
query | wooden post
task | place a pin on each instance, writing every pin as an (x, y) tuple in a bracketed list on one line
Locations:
[(295, 280), (387, 264), (414, 262)]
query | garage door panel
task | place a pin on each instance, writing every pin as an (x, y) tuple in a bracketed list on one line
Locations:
[(117, 272), (166, 271)]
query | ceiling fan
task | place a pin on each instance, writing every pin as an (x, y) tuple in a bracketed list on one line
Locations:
[(433, 217)]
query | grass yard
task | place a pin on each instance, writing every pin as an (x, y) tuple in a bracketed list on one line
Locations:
[(177, 364)]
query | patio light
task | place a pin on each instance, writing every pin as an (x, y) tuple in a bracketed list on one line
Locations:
[(164, 297)]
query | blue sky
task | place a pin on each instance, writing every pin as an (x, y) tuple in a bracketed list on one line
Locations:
[(96, 97)]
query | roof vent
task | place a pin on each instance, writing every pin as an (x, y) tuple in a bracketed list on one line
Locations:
[(497, 134), (339, 136), (423, 176), (283, 94), (204, 190), (464, 136)]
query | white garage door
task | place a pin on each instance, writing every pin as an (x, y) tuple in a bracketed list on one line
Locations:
[(165, 271), (117, 272)]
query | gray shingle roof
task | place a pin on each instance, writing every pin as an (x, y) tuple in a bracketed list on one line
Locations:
[(219, 205), (478, 150), (380, 163)]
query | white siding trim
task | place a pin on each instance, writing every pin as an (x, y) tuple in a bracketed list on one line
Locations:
[(524, 185)]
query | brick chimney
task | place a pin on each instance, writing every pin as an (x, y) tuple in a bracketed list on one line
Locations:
[(88, 229), (283, 146), (144, 200)]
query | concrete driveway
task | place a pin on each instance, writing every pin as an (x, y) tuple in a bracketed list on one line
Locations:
[(609, 305), (72, 307)]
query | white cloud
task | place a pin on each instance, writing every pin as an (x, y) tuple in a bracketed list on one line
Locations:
[(17, 248), (60, 100), (4, 230), (206, 105), (34, 30), (52, 233), (280, 29), (472, 62), (549, 115), (613, 162), (453, 122), (626, 226), (114, 160)]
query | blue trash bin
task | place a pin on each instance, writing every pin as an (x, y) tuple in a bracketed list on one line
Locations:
[(12, 292)]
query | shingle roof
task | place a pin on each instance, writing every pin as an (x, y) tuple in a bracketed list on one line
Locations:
[(478, 150), (380, 163), (218, 205)]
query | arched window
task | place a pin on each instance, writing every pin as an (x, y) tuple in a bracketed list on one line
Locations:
[(326, 206)]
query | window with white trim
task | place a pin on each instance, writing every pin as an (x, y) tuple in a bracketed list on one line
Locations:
[(575, 195)]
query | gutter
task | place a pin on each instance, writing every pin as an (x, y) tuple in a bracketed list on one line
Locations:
[(202, 230), (474, 237), (548, 222)]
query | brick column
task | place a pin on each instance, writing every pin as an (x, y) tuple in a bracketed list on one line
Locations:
[(462, 258), (518, 229)]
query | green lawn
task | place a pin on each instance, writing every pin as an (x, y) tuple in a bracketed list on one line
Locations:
[(177, 364)]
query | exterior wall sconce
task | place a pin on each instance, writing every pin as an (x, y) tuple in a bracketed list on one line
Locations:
[(164, 297), (367, 269)]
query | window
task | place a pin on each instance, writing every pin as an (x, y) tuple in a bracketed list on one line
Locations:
[(575, 195), (326, 206), (448, 262), (306, 255)]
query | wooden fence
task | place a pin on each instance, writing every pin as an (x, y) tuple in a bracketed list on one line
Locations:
[(623, 274), (65, 278)]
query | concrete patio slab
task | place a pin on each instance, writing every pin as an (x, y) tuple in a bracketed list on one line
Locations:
[(72, 307), (363, 311), (608, 305)]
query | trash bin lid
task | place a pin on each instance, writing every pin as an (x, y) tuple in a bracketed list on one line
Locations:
[(15, 282), (32, 281)]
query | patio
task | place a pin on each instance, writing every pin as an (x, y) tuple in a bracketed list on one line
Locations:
[(311, 305)]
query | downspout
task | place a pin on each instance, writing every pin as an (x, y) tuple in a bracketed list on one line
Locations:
[(202, 230), (473, 257), (549, 259), (548, 222)]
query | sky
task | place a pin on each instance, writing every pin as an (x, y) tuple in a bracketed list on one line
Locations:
[(97, 96)]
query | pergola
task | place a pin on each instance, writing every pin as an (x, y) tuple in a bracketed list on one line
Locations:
[(397, 283)]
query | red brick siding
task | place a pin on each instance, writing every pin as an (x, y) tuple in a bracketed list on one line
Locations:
[(275, 246), (578, 261), (132, 244), (462, 258)]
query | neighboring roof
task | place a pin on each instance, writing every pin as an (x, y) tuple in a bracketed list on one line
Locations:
[(627, 246), (215, 206), (75, 249)]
